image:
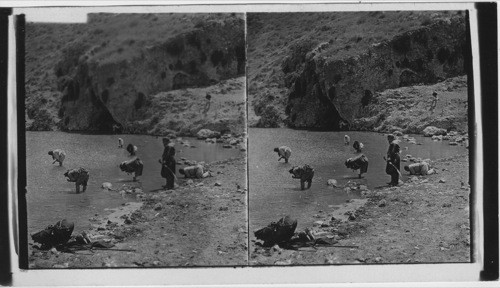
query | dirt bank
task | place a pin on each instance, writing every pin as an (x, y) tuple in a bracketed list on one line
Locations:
[(201, 223), (426, 219)]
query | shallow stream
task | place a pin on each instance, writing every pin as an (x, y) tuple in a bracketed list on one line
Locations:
[(51, 198), (273, 193)]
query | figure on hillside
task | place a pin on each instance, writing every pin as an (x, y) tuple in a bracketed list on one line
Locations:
[(393, 160), (359, 162), (120, 143), (284, 152), (168, 163), (358, 146), (196, 171), (347, 140), (434, 101), (58, 155), (133, 166), (132, 149), (208, 98), (421, 168)]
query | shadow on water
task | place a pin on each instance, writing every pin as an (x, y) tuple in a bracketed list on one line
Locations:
[(51, 198), (273, 193)]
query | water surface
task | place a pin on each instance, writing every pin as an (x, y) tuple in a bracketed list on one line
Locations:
[(51, 198), (273, 193)]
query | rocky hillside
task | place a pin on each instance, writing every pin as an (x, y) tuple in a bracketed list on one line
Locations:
[(408, 109), (322, 69), (107, 74)]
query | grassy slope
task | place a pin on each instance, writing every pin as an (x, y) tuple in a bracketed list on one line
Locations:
[(106, 39), (272, 39)]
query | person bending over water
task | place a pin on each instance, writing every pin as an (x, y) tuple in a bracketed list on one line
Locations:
[(284, 152), (393, 161), (58, 155), (359, 162), (168, 163), (421, 168), (196, 171), (347, 140), (133, 166), (132, 149)]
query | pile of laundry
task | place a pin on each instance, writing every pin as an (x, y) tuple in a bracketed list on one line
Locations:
[(59, 236)]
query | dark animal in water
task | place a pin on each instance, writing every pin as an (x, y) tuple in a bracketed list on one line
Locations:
[(80, 176), (305, 173)]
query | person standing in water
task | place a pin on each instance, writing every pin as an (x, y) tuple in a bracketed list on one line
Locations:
[(393, 161), (120, 143), (358, 146), (58, 155), (168, 163)]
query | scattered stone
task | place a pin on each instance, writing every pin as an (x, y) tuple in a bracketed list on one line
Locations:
[(128, 220), (199, 184), (217, 184), (430, 131), (378, 259), (189, 182), (207, 133), (138, 191), (285, 262), (453, 143), (363, 187), (332, 182), (442, 180), (223, 208), (227, 146), (446, 205), (157, 206), (382, 203), (106, 185), (318, 223), (414, 179), (397, 133), (277, 248)]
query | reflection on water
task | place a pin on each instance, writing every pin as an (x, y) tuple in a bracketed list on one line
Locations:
[(273, 193), (50, 197)]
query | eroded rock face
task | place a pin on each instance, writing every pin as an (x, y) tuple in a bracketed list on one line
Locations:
[(330, 93), (113, 93)]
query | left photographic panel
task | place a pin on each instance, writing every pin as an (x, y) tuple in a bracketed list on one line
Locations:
[(135, 129)]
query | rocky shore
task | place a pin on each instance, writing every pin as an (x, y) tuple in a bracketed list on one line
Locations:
[(200, 223), (423, 220)]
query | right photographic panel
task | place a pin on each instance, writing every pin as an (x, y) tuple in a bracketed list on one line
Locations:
[(358, 148)]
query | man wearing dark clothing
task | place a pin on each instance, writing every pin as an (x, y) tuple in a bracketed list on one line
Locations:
[(393, 161), (168, 163)]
